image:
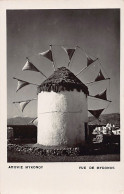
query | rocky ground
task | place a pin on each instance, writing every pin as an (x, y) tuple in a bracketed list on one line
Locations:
[(36, 153)]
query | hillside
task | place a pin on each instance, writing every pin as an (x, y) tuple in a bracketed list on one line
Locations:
[(113, 118), (19, 120)]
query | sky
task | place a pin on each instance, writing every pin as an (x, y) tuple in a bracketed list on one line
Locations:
[(95, 31)]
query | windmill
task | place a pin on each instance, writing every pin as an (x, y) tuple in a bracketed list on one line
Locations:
[(62, 100)]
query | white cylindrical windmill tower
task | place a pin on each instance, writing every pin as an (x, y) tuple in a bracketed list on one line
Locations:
[(62, 110)]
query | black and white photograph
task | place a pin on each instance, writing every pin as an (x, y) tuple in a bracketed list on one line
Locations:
[(61, 97), (63, 85)]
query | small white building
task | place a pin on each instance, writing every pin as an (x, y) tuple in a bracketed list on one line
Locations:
[(62, 110), (116, 132)]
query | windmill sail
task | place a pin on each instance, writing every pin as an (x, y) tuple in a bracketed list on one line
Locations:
[(102, 95), (96, 113), (100, 77), (90, 61), (29, 66), (47, 54), (23, 104), (22, 83), (70, 52), (34, 121)]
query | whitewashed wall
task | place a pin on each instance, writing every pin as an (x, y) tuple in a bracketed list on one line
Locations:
[(61, 118)]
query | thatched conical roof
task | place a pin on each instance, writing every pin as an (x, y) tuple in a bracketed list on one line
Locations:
[(62, 80)]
